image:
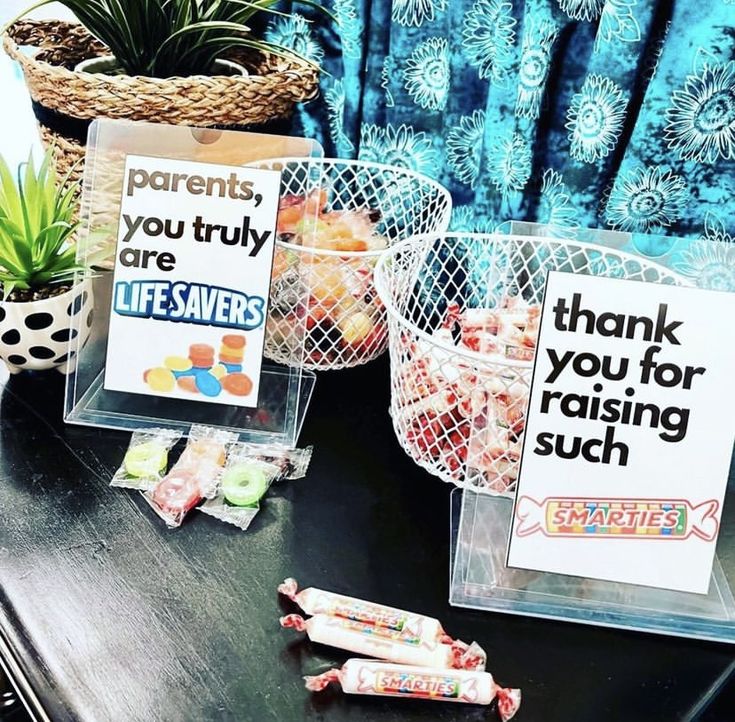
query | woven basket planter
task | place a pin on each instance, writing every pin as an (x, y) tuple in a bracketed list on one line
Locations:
[(65, 101)]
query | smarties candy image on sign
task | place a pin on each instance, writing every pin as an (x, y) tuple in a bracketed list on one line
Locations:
[(629, 433), (191, 283)]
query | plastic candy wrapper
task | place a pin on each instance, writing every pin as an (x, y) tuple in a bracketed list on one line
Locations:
[(389, 644), (146, 459), (409, 625), (293, 463), (193, 477), (360, 676), (335, 230), (249, 471)]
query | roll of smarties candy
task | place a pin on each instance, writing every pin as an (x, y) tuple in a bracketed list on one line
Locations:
[(373, 677), (617, 518)]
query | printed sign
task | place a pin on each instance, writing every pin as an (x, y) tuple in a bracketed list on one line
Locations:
[(191, 283), (629, 433)]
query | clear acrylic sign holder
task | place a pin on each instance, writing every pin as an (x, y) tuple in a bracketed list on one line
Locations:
[(285, 391), (480, 522)]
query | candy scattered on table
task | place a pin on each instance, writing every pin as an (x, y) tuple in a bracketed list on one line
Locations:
[(420, 659), (393, 645), (245, 483), (193, 477), (363, 676), (199, 374), (233, 477), (146, 459), (249, 472), (410, 625)]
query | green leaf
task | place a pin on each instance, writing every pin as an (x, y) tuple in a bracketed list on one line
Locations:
[(36, 223)]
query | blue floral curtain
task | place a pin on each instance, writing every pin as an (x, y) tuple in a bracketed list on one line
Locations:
[(615, 114)]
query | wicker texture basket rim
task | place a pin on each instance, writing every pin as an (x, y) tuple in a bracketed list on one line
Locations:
[(382, 271), (282, 80), (353, 163)]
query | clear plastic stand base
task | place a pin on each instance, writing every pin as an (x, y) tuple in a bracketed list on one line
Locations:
[(108, 409), (88, 403), (480, 580)]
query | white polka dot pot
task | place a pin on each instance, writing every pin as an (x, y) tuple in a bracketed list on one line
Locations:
[(35, 335)]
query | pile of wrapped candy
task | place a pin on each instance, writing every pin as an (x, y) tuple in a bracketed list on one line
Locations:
[(412, 655), (457, 410), (342, 318), (229, 477)]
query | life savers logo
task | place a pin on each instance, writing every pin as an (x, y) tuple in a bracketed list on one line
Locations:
[(189, 303), (417, 685)]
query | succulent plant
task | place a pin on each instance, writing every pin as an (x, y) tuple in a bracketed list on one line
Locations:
[(36, 224)]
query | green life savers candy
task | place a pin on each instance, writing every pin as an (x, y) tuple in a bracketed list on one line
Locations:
[(146, 459), (244, 484)]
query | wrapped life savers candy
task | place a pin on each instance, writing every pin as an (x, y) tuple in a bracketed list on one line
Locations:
[(362, 676), (249, 471), (193, 477), (146, 459)]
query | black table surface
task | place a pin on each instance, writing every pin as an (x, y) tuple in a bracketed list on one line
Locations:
[(113, 617)]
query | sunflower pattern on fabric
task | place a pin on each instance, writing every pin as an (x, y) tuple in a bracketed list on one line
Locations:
[(427, 74), (294, 33), (646, 199), (488, 35), (613, 114), (464, 147), (595, 118)]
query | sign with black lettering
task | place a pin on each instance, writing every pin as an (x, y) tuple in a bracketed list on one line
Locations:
[(629, 433), (191, 283)]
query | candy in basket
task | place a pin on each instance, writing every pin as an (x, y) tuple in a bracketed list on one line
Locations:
[(335, 219), (463, 314)]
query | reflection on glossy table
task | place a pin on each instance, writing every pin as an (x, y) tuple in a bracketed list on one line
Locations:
[(111, 616)]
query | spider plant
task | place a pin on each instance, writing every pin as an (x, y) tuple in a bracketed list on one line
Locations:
[(36, 222), (164, 38)]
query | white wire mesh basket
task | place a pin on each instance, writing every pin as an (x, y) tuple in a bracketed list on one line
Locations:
[(463, 315), (344, 322)]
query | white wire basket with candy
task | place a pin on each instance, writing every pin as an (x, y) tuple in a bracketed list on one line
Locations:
[(335, 219), (463, 314)]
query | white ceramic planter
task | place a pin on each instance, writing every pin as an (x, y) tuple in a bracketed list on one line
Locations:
[(35, 335)]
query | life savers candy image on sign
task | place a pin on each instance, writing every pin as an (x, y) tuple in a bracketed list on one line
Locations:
[(198, 373), (237, 384)]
